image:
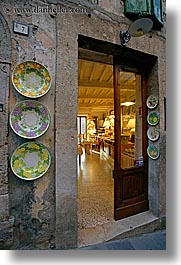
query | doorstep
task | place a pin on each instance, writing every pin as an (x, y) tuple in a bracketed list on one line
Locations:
[(138, 224)]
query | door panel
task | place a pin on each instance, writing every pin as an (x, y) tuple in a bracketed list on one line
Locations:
[(130, 168), (133, 184)]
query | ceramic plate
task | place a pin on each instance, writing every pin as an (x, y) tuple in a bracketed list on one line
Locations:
[(153, 134), (152, 102), (31, 79), (153, 118), (29, 119), (153, 151), (30, 161)]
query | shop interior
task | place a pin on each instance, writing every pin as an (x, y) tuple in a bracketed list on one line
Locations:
[(95, 137), (95, 119)]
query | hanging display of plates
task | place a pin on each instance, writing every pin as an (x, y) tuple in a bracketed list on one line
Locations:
[(153, 134), (29, 119), (153, 152), (30, 160), (31, 79), (152, 102), (153, 118)]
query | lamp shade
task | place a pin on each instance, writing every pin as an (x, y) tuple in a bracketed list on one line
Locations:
[(140, 27), (106, 123)]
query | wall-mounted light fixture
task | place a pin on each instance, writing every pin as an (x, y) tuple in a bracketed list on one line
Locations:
[(127, 103), (138, 28)]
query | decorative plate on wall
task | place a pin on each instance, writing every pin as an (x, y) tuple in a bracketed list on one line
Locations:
[(153, 151), (153, 118), (152, 102), (30, 160), (31, 79), (29, 119), (153, 134)]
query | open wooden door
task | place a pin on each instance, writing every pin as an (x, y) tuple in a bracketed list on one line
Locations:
[(130, 161)]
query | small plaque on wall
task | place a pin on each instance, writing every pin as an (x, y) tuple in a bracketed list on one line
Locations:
[(20, 28)]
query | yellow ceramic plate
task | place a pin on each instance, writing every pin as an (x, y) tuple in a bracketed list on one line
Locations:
[(31, 79), (30, 160)]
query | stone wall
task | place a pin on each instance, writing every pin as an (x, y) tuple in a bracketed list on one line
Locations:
[(31, 203), (45, 210), (6, 222)]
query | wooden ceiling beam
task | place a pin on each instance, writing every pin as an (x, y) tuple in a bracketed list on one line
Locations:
[(97, 98), (110, 79), (81, 71), (102, 74), (95, 105), (103, 84), (92, 72), (88, 109), (94, 84)]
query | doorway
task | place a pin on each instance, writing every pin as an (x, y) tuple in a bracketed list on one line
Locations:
[(111, 131), (130, 184), (95, 164)]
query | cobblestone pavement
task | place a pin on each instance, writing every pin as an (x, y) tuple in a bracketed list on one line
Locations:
[(150, 241)]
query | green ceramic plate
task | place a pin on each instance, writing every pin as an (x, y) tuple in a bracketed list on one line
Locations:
[(153, 151), (31, 79), (29, 119), (30, 161), (153, 118)]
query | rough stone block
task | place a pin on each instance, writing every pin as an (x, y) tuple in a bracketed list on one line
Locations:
[(4, 207), (3, 170), (111, 6), (5, 47), (68, 240), (6, 233)]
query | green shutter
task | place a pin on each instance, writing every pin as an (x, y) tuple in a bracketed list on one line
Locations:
[(133, 9), (137, 6)]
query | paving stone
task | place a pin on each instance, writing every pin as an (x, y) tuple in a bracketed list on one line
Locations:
[(120, 245), (150, 241), (153, 241)]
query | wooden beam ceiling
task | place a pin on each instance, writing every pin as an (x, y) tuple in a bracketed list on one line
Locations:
[(96, 92)]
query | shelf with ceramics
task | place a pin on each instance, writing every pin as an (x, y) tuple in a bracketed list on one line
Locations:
[(109, 126), (91, 129)]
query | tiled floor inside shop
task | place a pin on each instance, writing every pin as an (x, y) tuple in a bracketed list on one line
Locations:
[(95, 191), (96, 222)]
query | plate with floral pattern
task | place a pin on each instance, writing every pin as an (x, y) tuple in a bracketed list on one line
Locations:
[(153, 134), (153, 118), (29, 119), (30, 160), (152, 102), (153, 152), (31, 79)]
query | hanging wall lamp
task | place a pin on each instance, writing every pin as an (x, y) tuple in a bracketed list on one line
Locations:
[(138, 28)]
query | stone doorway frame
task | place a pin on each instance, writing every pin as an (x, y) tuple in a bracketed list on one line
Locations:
[(66, 117)]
